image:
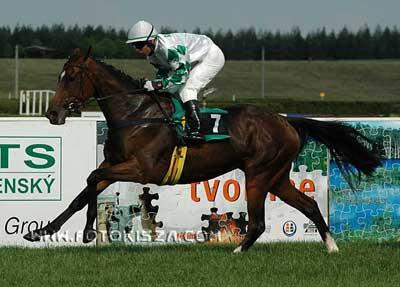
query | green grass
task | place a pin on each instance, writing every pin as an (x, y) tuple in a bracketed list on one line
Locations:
[(294, 80), (363, 263)]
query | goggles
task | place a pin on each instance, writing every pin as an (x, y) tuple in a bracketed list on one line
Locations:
[(138, 45)]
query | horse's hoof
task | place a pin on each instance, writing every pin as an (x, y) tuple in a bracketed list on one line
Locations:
[(89, 235), (33, 236), (238, 249), (331, 244)]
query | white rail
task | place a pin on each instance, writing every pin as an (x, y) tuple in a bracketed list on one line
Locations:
[(31, 101)]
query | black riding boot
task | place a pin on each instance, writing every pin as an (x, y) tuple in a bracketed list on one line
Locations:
[(192, 113)]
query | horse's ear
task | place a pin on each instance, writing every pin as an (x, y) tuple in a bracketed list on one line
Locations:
[(76, 52), (88, 53)]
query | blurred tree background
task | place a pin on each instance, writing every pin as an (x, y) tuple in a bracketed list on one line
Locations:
[(245, 44)]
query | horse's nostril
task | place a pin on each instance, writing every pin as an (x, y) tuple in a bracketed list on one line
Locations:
[(51, 115)]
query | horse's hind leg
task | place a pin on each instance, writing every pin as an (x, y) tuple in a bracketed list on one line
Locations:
[(309, 207), (257, 188), (256, 194), (258, 184)]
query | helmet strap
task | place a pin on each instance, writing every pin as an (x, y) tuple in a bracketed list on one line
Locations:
[(150, 43), (151, 32)]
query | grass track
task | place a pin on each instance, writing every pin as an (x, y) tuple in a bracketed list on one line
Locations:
[(279, 264)]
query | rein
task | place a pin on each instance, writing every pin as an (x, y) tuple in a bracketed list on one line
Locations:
[(74, 106), (136, 91), (141, 121)]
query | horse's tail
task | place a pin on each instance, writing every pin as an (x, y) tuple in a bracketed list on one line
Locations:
[(347, 146)]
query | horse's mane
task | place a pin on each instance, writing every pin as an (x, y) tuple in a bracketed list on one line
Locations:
[(126, 79)]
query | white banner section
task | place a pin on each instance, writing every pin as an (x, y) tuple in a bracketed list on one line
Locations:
[(212, 211), (42, 168)]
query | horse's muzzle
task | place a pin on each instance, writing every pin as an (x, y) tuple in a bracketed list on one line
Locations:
[(57, 117)]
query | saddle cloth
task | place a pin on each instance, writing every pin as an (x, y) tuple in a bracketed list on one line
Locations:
[(212, 121)]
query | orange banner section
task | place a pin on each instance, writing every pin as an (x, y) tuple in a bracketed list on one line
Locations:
[(231, 189)]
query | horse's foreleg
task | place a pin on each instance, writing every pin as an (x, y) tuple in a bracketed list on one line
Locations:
[(77, 204), (89, 233), (119, 172), (97, 181), (125, 171)]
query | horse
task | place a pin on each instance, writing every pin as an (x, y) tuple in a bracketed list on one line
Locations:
[(139, 145)]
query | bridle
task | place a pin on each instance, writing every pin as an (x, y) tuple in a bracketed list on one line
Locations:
[(76, 106)]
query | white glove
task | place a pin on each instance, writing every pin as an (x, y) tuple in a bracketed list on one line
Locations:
[(148, 86)]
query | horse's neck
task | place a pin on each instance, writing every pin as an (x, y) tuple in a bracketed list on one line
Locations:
[(119, 106)]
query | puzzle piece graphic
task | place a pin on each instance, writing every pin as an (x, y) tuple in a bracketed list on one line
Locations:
[(149, 212), (374, 212), (313, 156), (118, 219), (223, 227), (102, 130)]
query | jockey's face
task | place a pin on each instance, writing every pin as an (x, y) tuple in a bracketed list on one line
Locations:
[(146, 50), (143, 48)]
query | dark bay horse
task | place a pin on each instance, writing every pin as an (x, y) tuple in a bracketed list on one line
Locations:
[(262, 144)]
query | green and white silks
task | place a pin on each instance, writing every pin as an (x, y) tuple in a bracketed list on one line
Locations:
[(186, 63)]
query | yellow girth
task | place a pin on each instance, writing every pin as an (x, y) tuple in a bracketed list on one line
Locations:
[(176, 166)]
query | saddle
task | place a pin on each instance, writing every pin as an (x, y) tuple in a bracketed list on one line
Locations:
[(212, 126), (212, 122)]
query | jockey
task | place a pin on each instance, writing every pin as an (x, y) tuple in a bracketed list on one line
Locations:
[(185, 64)]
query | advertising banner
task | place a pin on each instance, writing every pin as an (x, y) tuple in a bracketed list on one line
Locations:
[(212, 211), (42, 168)]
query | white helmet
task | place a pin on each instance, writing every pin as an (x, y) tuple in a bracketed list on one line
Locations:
[(141, 31)]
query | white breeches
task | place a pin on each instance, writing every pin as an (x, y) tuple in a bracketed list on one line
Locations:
[(202, 74)]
